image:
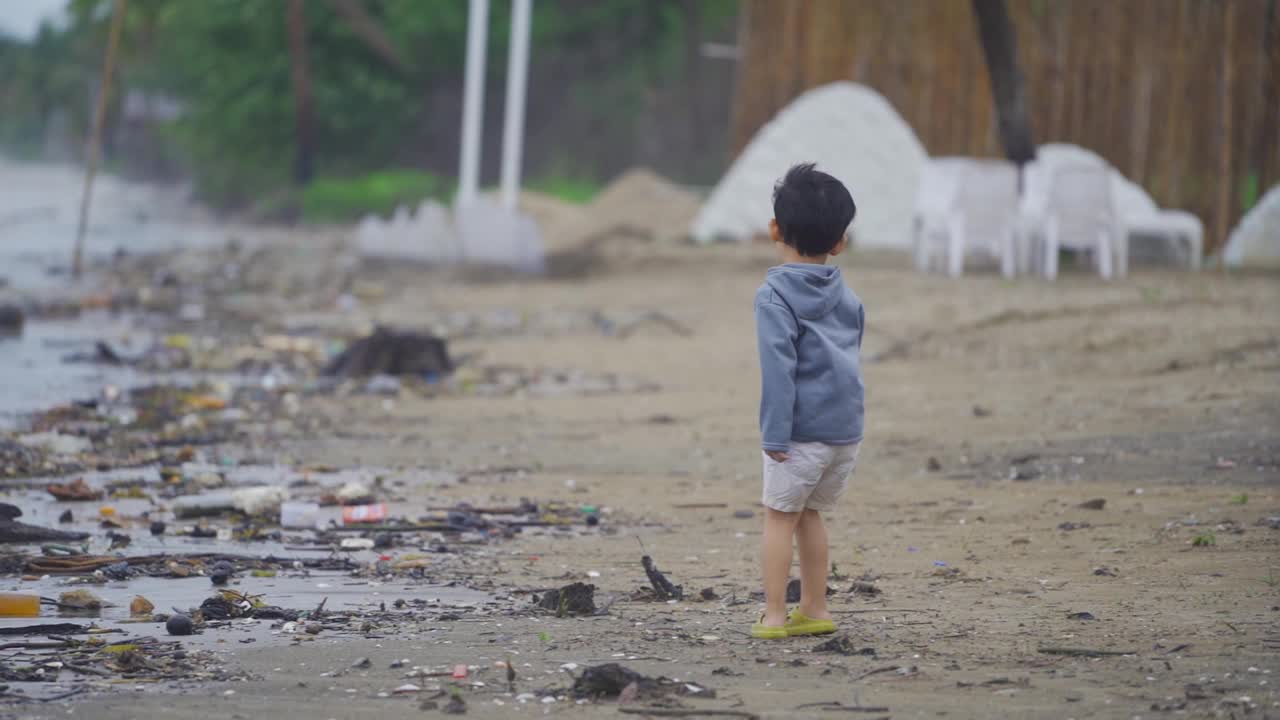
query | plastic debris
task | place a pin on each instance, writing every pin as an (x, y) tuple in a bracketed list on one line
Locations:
[(358, 514), (179, 625)]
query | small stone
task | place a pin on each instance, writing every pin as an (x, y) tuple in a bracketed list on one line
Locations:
[(179, 625), (313, 628), (157, 527)]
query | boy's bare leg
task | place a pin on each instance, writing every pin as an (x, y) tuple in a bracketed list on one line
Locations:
[(811, 538), (779, 531)]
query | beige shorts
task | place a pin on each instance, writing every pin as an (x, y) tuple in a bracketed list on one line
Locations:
[(813, 477)]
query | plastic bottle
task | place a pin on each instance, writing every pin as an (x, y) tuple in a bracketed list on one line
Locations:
[(19, 605), (295, 514)]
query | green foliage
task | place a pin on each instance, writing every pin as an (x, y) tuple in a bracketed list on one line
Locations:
[(577, 190), (1241, 499), (345, 199), (1205, 539), (227, 63), (1248, 192)]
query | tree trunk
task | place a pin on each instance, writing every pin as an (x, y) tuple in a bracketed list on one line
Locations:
[(304, 120), (1225, 131), (1008, 88), (693, 81), (1267, 158), (366, 27)]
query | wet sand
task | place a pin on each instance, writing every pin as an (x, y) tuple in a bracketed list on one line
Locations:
[(1159, 394)]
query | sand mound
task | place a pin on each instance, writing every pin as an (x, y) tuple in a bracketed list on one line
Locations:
[(850, 131), (639, 203), (1256, 240)]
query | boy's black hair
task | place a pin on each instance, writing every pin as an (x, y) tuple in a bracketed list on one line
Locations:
[(812, 209)]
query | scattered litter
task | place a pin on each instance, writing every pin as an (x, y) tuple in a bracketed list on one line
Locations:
[(392, 352), (1081, 616), (19, 605), (140, 606), (860, 587), (56, 443), (611, 679), (179, 625), (299, 515), (360, 514), (574, 599), (843, 645), (75, 491), (79, 600), (1094, 504), (455, 706), (662, 587)]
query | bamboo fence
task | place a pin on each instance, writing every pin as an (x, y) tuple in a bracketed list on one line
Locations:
[(1183, 96)]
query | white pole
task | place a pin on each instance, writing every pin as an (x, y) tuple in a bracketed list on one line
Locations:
[(517, 83), (473, 102)]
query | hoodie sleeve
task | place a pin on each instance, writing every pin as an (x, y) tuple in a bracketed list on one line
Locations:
[(776, 333)]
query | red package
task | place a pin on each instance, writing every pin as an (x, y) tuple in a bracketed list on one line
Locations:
[(356, 514), (459, 672)]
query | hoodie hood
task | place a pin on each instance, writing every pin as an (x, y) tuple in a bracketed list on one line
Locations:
[(812, 291)]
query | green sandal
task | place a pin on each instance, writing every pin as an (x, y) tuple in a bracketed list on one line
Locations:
[(799, 624), (760, 631)]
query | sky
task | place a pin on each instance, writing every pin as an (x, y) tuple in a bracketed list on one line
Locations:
[(21, 18)]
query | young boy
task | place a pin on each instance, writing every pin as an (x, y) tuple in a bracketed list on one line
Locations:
[(810, 332)]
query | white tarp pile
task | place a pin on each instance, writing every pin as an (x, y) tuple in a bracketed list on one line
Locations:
[(1256, 240), (851, 132), (430, 236)]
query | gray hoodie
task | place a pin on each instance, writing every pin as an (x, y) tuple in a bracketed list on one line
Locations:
[(810, 326)]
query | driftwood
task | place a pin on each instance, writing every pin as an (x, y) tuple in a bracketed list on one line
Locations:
[(12, 531), (46, 629)]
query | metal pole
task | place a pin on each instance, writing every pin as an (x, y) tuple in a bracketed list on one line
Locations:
[(517, 83), (95, 134), (473, 102)]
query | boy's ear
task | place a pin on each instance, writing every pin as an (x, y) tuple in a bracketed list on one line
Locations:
[(840, 246), (775, 233)]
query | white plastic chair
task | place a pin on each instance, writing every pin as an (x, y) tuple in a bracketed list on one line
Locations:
[(981, 216), (1173, 227), (938, 180), (1080, 215)]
